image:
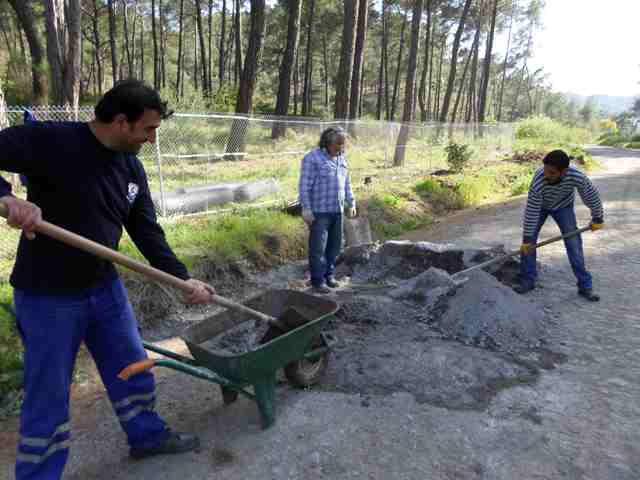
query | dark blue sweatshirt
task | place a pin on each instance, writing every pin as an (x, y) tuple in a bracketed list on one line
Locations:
[(86, 188)]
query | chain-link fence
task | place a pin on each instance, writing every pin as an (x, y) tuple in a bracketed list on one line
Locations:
[(216, 162)]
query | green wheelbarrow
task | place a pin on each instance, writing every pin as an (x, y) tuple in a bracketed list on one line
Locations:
[(302, 352)]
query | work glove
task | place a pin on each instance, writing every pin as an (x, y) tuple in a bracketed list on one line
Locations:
[(526, 248), (307, 216), (597, 226), (352, 212)]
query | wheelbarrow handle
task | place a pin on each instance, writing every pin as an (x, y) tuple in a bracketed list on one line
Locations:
[(136, 368), (94, 248), (513, 253)]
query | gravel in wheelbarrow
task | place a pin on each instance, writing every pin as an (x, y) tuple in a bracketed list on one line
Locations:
[(229, 350)]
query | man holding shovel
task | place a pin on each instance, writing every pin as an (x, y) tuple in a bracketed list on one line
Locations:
[(86, 178), (325, 188), (552, 192)]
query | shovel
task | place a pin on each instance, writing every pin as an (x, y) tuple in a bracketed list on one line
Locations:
[(513, 253), (288, 320)]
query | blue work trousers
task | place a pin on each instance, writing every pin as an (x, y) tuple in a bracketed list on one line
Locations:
[(566, 220), (325, 241), (52, 328)]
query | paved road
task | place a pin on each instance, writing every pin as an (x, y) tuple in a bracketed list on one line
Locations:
[(579, 421)]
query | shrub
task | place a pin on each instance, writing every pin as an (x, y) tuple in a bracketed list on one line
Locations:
[(438, 195), (634, 145), (473, 190), (521, 184), (614, 140), (548, 131), (458, 156)]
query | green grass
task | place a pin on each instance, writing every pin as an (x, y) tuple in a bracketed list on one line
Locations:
[(10, 344), (439, 196), (230, 237)]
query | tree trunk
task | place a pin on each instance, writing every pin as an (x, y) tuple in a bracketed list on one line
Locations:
[(127, 48), (461, 90), (410, 85), (358, 59), (26, 18), (210, 53), (486, 68), (134, 63), (223, 33), (72, 64), (4, 119), (454, 61), (306, 91), (196, 69), (203, 50), (55, 25), (381, 85), (284, 81), (154, 34), (422, 94), (514, 109), (180, 40), (396, 82), (387, 98), (112, 41), (325, 58), (430, 90), (163, 43), (238, 40), (249, 76), (443, 47), (142, 50), (504, 64), (472, 80), (296, 83), (345, 71)]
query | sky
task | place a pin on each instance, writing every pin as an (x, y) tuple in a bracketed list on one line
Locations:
[(590, 47)]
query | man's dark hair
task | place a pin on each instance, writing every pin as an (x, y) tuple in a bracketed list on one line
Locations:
[(130, 97), (558, 159)]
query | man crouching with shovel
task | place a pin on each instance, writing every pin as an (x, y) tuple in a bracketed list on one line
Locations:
[(86, 178), (552, 192)]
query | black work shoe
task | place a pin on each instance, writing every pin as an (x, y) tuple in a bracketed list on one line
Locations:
[(522, 289), (322, 289), (589, 295), (175, 443), (332, 283)]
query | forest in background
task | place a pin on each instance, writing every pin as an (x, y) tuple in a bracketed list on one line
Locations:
[(418, 60)]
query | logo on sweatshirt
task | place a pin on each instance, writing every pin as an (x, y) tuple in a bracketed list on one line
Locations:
[(132, 192)]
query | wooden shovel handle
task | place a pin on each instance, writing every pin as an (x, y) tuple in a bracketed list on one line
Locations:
[(89, 246)]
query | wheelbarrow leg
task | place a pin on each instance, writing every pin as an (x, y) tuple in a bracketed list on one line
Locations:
[(228, 395), (265, 395)]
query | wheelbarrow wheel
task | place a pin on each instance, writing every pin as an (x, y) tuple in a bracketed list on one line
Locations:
[(305, 373)]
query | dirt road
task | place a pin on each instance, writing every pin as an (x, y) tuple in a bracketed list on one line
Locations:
[(579, 421)]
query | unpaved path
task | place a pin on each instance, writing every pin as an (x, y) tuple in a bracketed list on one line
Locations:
[(579, 421)]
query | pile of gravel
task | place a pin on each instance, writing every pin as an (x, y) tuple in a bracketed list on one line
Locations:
[(486, 313)]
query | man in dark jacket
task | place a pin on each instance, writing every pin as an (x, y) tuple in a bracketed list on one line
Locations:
[(85, 177), (552, 193)]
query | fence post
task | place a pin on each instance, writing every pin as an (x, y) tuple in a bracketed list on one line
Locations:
[(163, 208), (386, 144)]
